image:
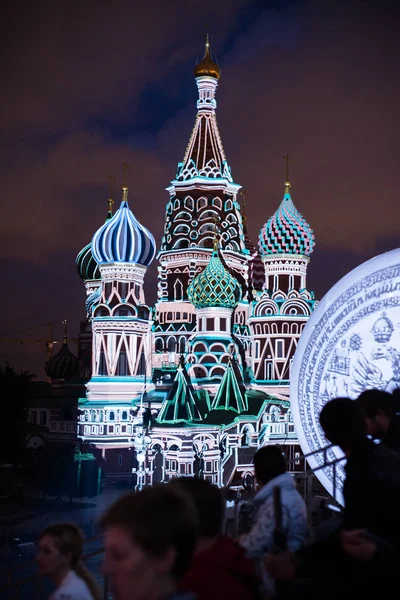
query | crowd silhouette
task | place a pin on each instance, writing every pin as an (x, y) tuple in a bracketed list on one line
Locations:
[(167, 542)]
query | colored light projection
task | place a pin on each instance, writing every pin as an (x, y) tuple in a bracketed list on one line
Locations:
[(349, 344)]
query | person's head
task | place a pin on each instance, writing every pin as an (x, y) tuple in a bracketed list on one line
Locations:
[(60, 551), (378, 408), (150, 538), (208, 501), (343, 423), (60, 547), (269, 462)]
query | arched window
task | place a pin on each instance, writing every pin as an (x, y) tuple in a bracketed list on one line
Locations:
[(176, 204), (217, 202), (159, 346), (294, 329), (182, 345), (178, 289), (189, 203), (285, 328), (228, 205), (171, 344), (124, 415), (169, 317), (231, 218), (201, 203), (111, 416), (232, 232)]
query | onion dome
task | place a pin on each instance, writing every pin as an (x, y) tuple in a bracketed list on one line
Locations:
[(207, 67), (123, 239), (92, 301), (214, 286), (287, 231), (62, 365), (88, 269)]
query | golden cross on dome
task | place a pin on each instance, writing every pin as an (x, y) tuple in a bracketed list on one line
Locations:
[(111, 180), (125, 167), (288, 160)]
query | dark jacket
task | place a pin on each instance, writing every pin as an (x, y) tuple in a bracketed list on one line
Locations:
[(221, 571), (392, 437), (372, 491)]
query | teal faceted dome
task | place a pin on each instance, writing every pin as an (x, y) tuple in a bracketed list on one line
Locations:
[(214, 286)]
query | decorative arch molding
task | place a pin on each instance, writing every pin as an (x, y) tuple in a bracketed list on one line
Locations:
[(183, 216), (266, 308), (208, 214), (301, 307), (181, 230), (200, 347), (125, 307), (199, 371), (206, 242), (217, 348), (217, 372), (208, 358), (182, 243)]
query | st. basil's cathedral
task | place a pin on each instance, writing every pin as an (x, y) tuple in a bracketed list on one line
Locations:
[(195, 384)]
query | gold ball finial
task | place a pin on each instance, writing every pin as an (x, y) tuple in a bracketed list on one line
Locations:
[(207, 67)]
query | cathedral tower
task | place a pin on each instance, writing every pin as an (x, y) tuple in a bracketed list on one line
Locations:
[(280, 312), (202, 195)]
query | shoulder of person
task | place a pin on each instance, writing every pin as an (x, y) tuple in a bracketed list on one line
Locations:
[(72, 588)]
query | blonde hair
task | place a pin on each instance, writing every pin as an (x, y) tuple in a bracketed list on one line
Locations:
[(68, 539)]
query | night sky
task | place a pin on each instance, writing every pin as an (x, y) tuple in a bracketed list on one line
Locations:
[(88, 85)]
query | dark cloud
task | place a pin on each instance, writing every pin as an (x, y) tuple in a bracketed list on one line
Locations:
[(88, 86)]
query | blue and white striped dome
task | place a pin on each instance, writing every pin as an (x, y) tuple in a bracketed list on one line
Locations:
[(123, 239)]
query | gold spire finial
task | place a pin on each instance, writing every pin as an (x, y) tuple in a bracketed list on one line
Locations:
[(287, 182), (207, 67), (111, 181), (125, 167)]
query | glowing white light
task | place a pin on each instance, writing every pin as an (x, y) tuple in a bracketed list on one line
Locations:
[(141, 457), (350, 343)]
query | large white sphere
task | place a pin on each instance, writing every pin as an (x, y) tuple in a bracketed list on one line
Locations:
[(350, 343)]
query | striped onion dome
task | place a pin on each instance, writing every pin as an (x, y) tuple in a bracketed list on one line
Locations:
[(92, 301), (62, 365), (214, 286), (287, 231), (88, 269), (123, 239)]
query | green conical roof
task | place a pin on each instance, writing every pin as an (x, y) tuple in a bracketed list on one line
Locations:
[(180, 404), (214, 286), (230, 396)]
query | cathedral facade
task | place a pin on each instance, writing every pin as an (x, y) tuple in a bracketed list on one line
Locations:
[(195, 384)]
